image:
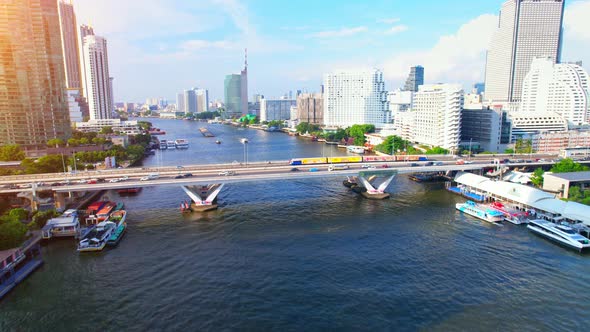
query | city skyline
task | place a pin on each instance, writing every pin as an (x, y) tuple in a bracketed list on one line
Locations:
[(297, 49)]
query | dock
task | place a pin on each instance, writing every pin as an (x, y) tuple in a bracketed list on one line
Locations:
[(206, 132)]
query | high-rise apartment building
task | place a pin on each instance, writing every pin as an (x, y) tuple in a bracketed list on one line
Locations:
[(96, 79), (355, 98), (437, 114), (415, 79), (180, 102), (310, 108), (202, 100), (70, 44), (33, 102), (561, 88), (190, 101), (527, 29)]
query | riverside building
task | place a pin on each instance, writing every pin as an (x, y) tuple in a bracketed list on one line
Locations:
[(276, 109), (97, 82), (32, 72), (310, 108), (561, 88), (527, 29), (355, 98)]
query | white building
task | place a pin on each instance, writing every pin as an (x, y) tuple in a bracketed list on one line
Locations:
[(276, 109), (399, 101), (526, 124), (355, 98), (126, 127), (527, 29), (202, 100), (96, 79), (190, 101), (74, 97), (437, 112), (180, 102), (403, 124), (560, 88)]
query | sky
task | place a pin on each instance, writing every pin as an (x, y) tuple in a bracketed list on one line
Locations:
[(160, 47)]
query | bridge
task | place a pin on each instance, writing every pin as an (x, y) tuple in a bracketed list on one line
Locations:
[(203, 183)]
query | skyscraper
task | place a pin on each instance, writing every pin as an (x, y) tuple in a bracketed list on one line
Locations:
[(70, 44), (244, 85), (235, 88), (33, 102), (415, 79), (180, 102), (527, 29), (190, 101), (562, 88), (355, 98), (97, 82), (202, 100)]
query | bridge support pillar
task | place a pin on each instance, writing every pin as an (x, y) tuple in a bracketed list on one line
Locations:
[(372, 192), (204, 197), (60, 200)]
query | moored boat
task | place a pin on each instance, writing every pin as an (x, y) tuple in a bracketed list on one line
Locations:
[(170, 145), (96, 239), (560, 233), (355, 149), (480, 212), (118, 217), (163, 144), (511, 215), (181, 143), (124, 191)]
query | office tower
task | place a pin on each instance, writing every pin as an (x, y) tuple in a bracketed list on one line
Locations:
[(437, 110), (415, 79), (355, 98), (276, 109), (560, 88), (190, 101), (202, 100), (33, 101), (310, 108), (235, 89), (96, 79), (70, 44), (180, 102), (527, 29)]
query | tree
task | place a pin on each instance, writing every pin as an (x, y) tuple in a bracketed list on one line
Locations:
[(523, 146), (135, 151), (73, 142), (358, 133), (437, 150), (509, 151), (12, 234), (537, 177), (393, 144), (11, 152), (84, 141), (145, 125), (106, 130), (567, 166), (306, 127), (55, 142), (18, 214)]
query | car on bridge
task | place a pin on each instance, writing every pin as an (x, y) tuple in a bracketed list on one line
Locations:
[(227, 173), (152, 176), (187, 175)]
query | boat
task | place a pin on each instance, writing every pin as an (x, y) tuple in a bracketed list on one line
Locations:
[(170, 145), (65, 225), (163, 144), (106, 210), (119, 206), (118, 217), (96, 239), (217, 142), (481, 212), (355, 149), (156, 131), (559, 233), (18, 263), (181, 143), (124, 191), (511, 215)]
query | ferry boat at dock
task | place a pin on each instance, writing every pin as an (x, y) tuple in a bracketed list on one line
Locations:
[(181, 143), (66, 225), (163, 144), (514, 216), (18, 263), (560, 233), (170, 145), (105, 211), (96, 239), (125, 191), (118, 217), (481, 212), (355, 149)]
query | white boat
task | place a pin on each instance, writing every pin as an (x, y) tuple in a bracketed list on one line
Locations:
[(356, 149), (96, 239), (170, 145), (514, 216), (181, 143), (480, 212), (163, 144), (63, 226), (559, 233)]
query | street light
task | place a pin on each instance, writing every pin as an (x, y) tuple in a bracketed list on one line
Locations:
[(245, 142)]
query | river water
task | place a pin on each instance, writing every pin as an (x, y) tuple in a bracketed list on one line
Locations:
[(302, 255)]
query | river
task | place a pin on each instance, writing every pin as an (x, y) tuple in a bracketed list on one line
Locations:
[(302, 255)]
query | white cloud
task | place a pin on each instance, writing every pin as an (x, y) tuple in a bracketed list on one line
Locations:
[(396, 29), (388, 20), (343, 32), (459, 57), (199, 45), (577, 33)]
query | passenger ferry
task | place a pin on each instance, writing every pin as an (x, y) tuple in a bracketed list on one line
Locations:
[(559, 233), (118, 217), (170, 145), (105, 211), (63, 226), (480, 212), (181, 143), (163, 144), (511, 215), (355, 149), (96, 239)]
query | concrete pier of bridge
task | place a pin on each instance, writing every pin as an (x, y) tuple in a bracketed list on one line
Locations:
[(367, 179), (204, 197)]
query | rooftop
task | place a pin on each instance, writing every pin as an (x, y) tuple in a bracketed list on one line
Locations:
[(572, 177)]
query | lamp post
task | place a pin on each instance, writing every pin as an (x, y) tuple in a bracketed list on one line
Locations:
[(245, 143)]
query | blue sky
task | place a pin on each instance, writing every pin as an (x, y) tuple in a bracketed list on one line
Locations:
[(159, 47)]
